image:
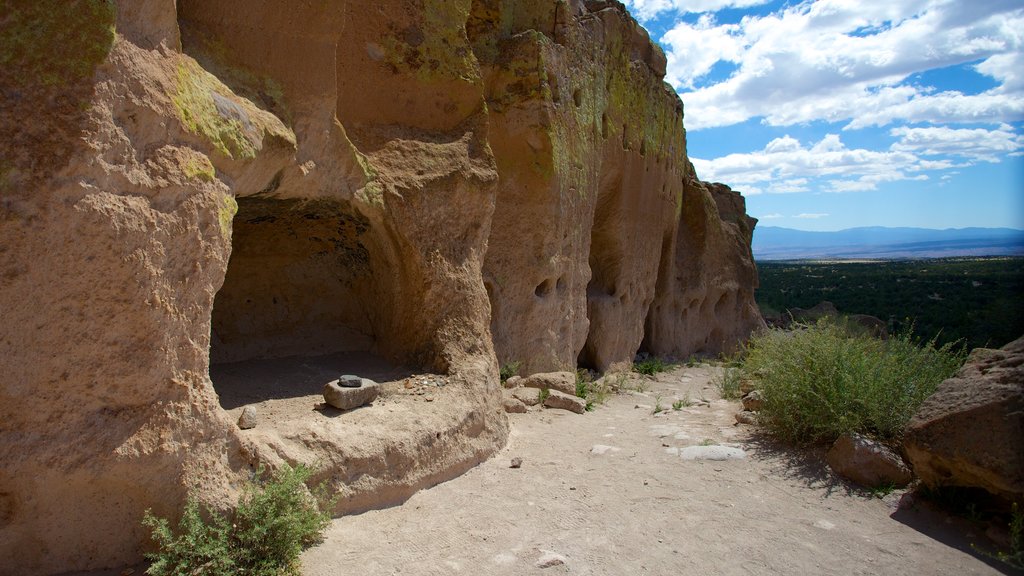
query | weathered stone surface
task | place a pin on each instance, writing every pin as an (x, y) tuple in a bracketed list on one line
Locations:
[(714, 453), (588, 148), (549, 560), (407, 178), (248, 419), (867, 462), (561, 381), (528, 396), (513, 405), (746, 417), (753, 401), (346, 398), (968, 433), (568, 402)]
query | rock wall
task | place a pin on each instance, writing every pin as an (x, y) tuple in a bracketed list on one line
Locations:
[(444, 183)]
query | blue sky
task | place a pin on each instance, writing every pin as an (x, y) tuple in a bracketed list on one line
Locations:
[(833, 114)]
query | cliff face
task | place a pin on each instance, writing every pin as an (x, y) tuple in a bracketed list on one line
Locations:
[(445, 184)]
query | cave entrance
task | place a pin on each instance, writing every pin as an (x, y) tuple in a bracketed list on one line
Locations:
[(298, 306)]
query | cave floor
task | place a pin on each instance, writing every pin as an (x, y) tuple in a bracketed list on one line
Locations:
[(284, 389)]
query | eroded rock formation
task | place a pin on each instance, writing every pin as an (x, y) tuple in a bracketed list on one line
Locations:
[(445, 184)]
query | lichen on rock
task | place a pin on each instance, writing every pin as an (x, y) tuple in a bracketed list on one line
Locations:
[(439, 185)]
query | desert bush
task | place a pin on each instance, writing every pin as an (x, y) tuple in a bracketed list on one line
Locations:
[(509, 370), (820, 381), (651, 366), (274, 521), (728, 382)]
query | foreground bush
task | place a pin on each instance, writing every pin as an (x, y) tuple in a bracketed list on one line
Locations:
[(274, 521), (824, 380)]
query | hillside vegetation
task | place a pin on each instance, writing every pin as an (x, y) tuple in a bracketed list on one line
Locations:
[(977, 300)]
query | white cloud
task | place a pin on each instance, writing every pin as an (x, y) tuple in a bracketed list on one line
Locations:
[(647, 9), (785, 165), (770, 216), (846, 61), (807, 216), (975, 144)]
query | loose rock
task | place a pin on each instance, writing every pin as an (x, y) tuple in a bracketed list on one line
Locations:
[(717, 453), (528, 396), (867, 462), (753, 401), (349, 398), (746, 417), (517, 462), (248, 418), (561, 381), (562, 401), (549, 559), (514, 406)]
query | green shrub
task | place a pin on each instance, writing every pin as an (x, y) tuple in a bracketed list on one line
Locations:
[(651, 366), (542, 395), (274, 521), (509, 370), (821, 381), (728, 383), (582, 383)]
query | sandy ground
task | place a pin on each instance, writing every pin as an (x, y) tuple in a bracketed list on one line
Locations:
[(609, 493)]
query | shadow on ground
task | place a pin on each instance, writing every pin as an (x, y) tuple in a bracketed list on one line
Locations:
[(255, 381)]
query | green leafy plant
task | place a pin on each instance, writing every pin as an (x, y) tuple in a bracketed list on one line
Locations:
[(274, 521), (882, 491), (681, 403), (821, 381), (509, 370), (657, 405), (728, 383), (582, 383), (542, 395), (651, 366)]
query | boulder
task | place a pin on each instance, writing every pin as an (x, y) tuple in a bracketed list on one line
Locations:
[(561, 381), (823, 309), (867, 462), (248, 418), (970, 432), (568, 402), (874, 326), (753, 401), (512, 405), (528, 396), (746, 417), (344, 397)]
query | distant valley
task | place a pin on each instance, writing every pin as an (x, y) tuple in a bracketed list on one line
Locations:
[(774, 243)]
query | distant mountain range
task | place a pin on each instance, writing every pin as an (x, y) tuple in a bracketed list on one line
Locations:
[(773, 243)]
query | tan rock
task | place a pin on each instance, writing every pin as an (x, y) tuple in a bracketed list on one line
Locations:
[(528, 396), (248, 419), (753, 401), (968, 433), (568, 402), (867, 462), (344, 398), (406, 181), (561, 381)]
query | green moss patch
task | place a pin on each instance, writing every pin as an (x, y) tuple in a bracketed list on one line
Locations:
[(55, 43)]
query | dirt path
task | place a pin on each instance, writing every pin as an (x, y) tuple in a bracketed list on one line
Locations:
[(609, 492)]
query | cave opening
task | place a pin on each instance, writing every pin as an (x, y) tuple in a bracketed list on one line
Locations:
[(298, 306)]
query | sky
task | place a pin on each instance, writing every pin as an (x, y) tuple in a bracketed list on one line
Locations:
[(835, 114)]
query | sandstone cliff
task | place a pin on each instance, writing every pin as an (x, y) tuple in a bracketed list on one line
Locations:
[(443, 183)]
